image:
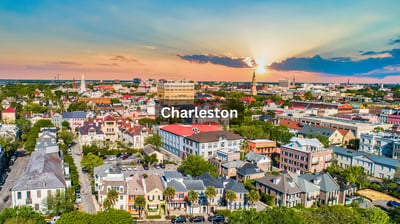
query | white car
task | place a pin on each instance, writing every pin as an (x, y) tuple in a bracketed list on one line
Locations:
[(113, 158), (134, 168), (78, 198), (129, 168)]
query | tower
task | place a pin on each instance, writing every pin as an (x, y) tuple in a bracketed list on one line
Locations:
[(254, 84), (83, 85), (294, 81), (73, 83)]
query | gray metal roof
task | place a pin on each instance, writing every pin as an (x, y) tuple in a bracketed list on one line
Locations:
[(74, 114), (309, 130), (178, 186), (196, 185), (44, 171), (255, 157), (173, 175), (305, 185), (323, 180), (249, 169), (233, 164), (210, 180)]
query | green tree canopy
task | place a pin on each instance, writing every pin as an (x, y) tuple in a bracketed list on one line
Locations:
[(21, 213), (66, 136), (195, 165), (61, 202), (90, 161), (154, 140)]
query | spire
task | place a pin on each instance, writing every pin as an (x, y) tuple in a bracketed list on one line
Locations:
[(294, 80), (83, 85), (254, 84)]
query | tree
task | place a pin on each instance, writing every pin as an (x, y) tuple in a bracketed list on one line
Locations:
[(253, 196), (307, 95), (61, 202), (244, 145), (169, 193), (65, 124), (147, 121), (154, 140), (195, 165), (22, 212), (111, 199), (111, 216), (192, 197), (355, 174), (66, 136), (397, 174), (90, 161), (78, 106), (229, 197), (150, 159), (271, 113), (210, 193), (23, 125), (378, 129), (140, 202)]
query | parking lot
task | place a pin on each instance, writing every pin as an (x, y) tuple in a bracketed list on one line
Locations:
[(16, 171), (139, 170), (115, 159)]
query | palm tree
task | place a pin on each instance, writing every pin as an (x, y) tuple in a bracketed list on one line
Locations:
[(210, 193), (192, 197), (253, 196), (140, 202), (169, 193), (229, 197), (243, 147), (112, 196)]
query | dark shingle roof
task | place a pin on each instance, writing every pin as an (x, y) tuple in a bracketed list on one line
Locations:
[(283, 183), (235, 186), (249, 169), (213, 136), (178, 186), (210, 180), (74, 114), (87, 125), (309, 130)]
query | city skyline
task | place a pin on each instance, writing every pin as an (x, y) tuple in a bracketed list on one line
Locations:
[(216, 41)]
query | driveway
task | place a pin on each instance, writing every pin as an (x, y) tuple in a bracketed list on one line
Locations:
[(86, 189), (16, 171)]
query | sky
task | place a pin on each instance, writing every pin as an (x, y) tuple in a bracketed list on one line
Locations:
[(313, 41)]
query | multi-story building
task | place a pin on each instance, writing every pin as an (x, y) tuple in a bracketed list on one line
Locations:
[(135, 189), (262, 146), (175, 92), (114, 181), (305, 155), (249, 172), (9, 115), (377, 166), (357, 127), (173, 136), (57, 120), (45, 174), (240, 190), (154, 194), (333, 135), (329, 189), (341, 108), (259, 160), (134, 134), (90, 131), (283, 187), (207, 144), (9, 131), (381, 143), (310, 192), (75, 118), (284, 83), (365, 117)]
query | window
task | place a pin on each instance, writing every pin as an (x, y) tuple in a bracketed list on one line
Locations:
[(19, 195), (36, 207), (28, 194), (121, 197), (39, 193)]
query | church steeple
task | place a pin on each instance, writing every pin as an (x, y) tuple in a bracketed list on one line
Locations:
[(254, 84)]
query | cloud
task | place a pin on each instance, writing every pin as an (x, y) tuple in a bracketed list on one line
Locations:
[(396, 41), (340, 67), (219, 60), (64, 63), (123, 58), (366, 53), (150, 47), (111, 64)]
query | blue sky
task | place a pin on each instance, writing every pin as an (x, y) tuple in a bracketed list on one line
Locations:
[(162, 39)]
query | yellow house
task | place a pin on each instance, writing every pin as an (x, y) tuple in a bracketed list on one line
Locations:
[(154, 194)]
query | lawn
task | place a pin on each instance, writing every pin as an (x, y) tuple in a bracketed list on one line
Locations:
[(376, 195)]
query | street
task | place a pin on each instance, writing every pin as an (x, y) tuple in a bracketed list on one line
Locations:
[(86, 190), (16, 171)]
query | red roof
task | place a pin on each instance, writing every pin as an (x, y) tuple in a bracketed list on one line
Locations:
[(10, 110), (290, 124), (268, 101), (292, 108), (185, 130), (109, 118), (280, 102), (126, 96)]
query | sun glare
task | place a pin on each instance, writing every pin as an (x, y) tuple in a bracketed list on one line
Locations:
[(260, 69)]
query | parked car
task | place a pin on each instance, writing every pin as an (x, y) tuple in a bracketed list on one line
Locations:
[(103, 157), (125, 157), (216, 218), (162, 165), (8, 170), (78, 198), (197, 219), (118, 155), (179, 219), (134, 168), (157, 166), (113, 158), (129, 168), (146, 167)]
